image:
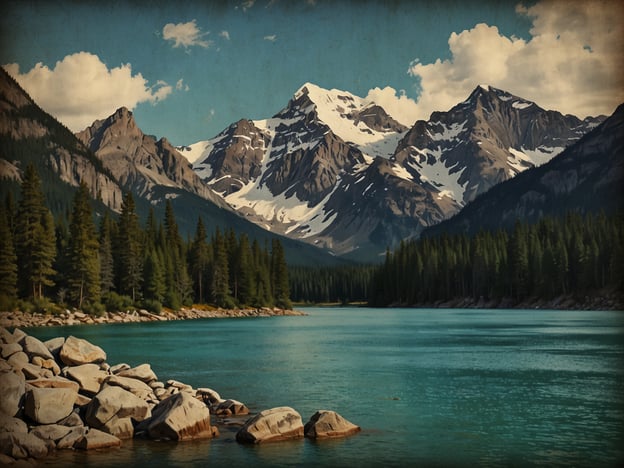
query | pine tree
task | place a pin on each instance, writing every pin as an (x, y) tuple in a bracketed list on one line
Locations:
[(153, 278), (107, 271), (8, 262), (128, 250), (220, 288), (199, 258), (84, 272), (34, 238), (280, 276)]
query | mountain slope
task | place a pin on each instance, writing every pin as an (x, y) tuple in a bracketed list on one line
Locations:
[(30, 135), (587, 177), (335, 170)]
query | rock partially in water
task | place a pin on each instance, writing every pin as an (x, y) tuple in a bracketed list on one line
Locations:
[(230, 408), (179, 417), (272, 425), (95, 439), (329, 424)]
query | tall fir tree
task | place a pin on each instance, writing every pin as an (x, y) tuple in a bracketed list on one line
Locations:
[(128, 250), (34, 238), (107, 270), (83, 251), (281, 289), (220, 288), (8, 262), (199, 260)]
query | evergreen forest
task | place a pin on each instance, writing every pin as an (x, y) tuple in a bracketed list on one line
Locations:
[(572, 255), (97, 262)]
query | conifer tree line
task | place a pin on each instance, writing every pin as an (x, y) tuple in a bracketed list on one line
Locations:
[(575, 255), (116, 264), (340, 284)]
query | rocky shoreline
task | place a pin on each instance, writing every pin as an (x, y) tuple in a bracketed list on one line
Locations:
[(62, 394), (75, 317)]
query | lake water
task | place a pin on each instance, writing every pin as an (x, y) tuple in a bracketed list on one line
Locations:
[(428, 387)]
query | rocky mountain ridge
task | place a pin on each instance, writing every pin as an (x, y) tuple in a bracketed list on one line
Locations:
[(336, 170)]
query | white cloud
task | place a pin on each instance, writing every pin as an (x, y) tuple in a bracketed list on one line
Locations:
[(399, 106), (180, 86), (271, 38), (225, 35), (81, 89), (572, 62), (185, 35)]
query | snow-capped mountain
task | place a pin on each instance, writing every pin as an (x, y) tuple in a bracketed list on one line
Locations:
[(489, 138), (337, 170)]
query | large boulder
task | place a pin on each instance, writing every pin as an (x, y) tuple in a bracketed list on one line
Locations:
[(54, 345), (143, 372), (53, 432), (34, 347), (76, 351), (12, 388), (10, 424), (54, 382), (9, 349), (96, 439), (113, 409), (179, 417), (328, 424), (49, 405), (272, 425), (88, 376), (22, 445), (134, 386)]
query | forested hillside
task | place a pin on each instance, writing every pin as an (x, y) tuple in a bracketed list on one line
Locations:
[(115, 264), (570, 255)]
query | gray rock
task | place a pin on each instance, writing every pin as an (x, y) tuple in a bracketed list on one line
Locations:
[(137, 387), (76, 351), (179, 417), (34, 347), (10, 424), (22, 445), (53, 432), (9, 349), (272, 425), (96, 439), (113, 409), (230, 408), (72, 420), (18, 360), (75, 434), (329, 424), (143, 372), (54, 345), (12, 388), (88, 376), (49, 405)]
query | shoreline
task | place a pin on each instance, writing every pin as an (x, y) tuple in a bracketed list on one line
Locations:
[(74, 317)]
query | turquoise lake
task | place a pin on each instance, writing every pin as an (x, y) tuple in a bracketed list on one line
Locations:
[(428, 387)]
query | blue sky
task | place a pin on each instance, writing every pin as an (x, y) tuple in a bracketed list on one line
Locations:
[(189, 69)]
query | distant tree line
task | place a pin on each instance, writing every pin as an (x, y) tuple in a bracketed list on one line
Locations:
[(341, 284), (120, 264), (569, 255)]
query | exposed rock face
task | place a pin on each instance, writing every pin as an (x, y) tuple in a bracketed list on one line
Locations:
[(138, 161), (76, 351), (180, 417), (49, 405), (21, 120), (272, 425), (587, 177), (329, 424), (143, 373), (230, 408), (22, 445)]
